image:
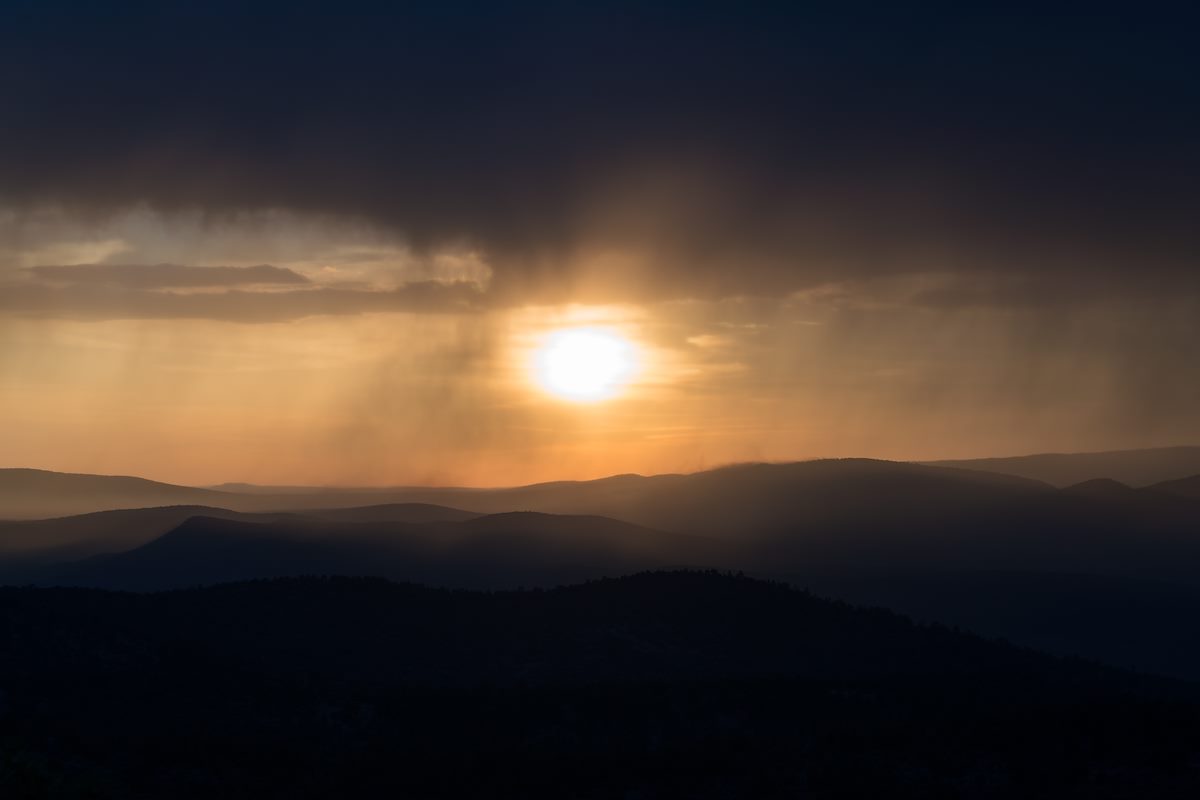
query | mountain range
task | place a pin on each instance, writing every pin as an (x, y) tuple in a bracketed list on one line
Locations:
[(194, 642), (39, 494), (1097, 569), (1139, 468)]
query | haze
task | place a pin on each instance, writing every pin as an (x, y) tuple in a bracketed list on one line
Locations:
[(599, 399)]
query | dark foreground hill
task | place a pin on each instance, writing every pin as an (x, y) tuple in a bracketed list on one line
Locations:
[(1184, 487), (656, 685)]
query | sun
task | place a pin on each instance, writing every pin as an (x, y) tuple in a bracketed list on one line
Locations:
[(585, 364)]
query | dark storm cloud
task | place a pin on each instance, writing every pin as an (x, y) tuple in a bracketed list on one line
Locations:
[(166, 276), (652, 149), (101, 303)]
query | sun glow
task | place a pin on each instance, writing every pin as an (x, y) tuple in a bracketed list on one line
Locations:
[(585, 364)]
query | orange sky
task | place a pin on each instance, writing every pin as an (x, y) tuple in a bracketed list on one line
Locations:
[(381, 398), (282, 247)]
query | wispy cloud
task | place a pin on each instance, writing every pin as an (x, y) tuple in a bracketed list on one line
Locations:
[(84, 301), (166, 276)]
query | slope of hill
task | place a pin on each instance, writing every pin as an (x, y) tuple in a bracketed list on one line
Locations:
[(761, 499), (1113, 619), (39, 494), (27, 494), (1103, 488), (1184, 487), (749, 499), (663, 685), (1100, 570), (98, 532), (671, 625), (1133, 467), (737, 501), (948, 545), (751, 517), (63, 538), (499, 551), (393, 512)]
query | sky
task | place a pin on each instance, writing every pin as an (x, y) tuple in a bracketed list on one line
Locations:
[(329, 243)]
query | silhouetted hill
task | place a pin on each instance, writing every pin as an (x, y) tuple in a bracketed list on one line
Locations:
[(655, 685), (736, 501), (394, 512), (503, 550), (98, 532), (1102, 488), (892, 534), (1133, 467), (63, 538), (1114, 619), (1184, 487), (783, 517), (740, 500), (668, 625), (905, 536), (38, 494), (760, 499), (753, 499)]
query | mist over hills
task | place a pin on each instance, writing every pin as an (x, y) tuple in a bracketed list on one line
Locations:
[(496, 551), (37, 494), (754, 496), (1184, 487), (392, 687), (64, 538), (884, 515), (1098, 569), (1134, 467)]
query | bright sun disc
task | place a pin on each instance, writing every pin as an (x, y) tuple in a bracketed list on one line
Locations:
[(584, 364)]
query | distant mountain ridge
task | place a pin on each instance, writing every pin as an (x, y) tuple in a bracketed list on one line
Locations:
[(906, 536), (100, 532), (1184, 487), (1137, 468), (40, 494), (657, 500), (494, 551)]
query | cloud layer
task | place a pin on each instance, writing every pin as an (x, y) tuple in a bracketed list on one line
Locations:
[(892, 229), (649, 150), (165, 276), (88, 301)]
